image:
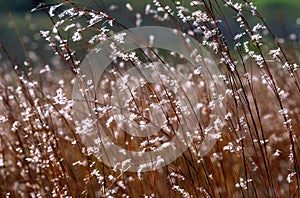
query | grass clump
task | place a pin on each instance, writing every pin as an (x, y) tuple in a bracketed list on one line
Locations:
[(42, 153)]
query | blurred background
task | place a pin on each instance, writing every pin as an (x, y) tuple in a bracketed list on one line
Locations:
[(19, 25)]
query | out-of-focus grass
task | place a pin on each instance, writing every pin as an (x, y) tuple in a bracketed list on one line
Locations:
[(17, 28)]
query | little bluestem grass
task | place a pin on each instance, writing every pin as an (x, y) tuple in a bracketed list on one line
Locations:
[(257, 151)]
